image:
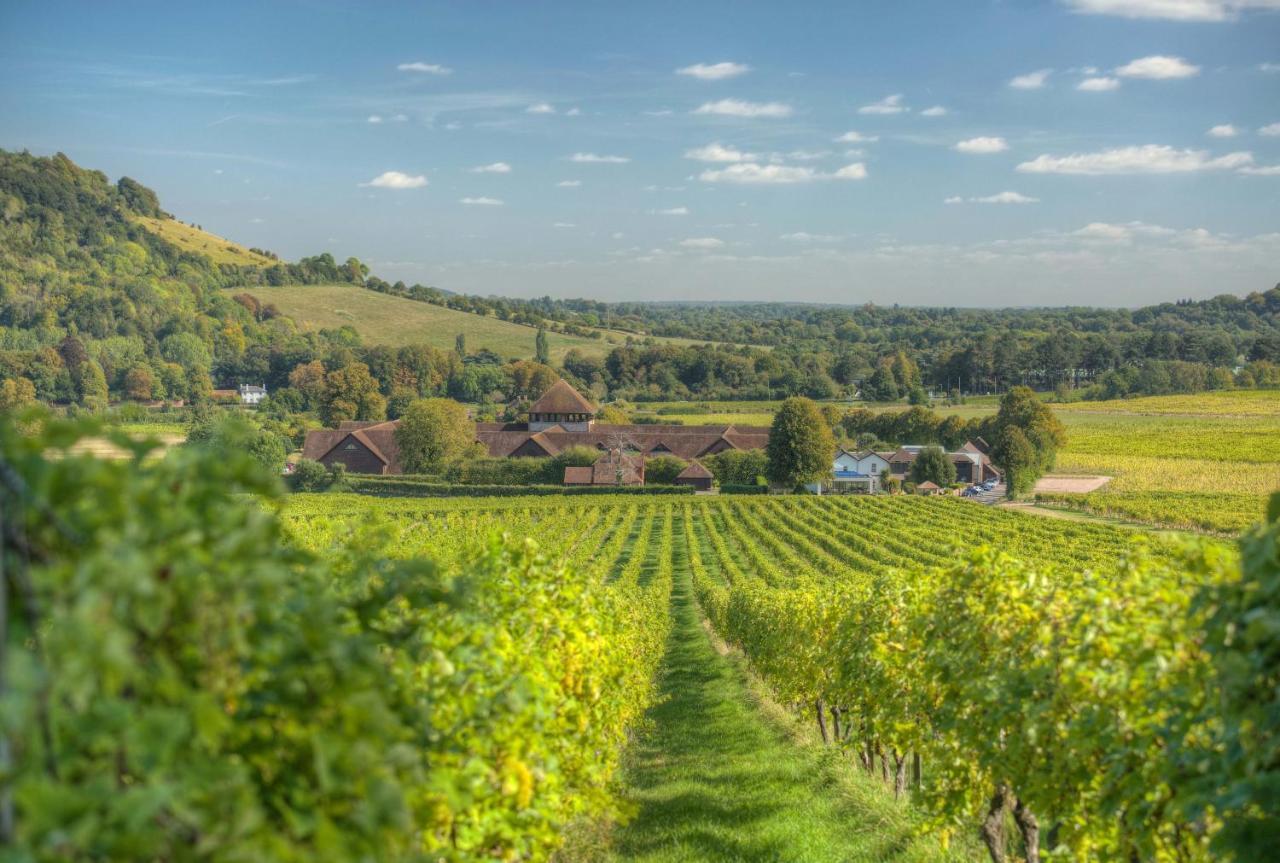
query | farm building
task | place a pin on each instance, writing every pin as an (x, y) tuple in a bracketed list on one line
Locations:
[(560, 419), (971, 461), (612, 468), (695, 475)]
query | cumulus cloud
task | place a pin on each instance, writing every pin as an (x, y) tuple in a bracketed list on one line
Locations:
[(701, 243), (672, 211), (716, 152), (1226, 130), (1030, 81), (1170, 10), (1261, 170), (750, 173), (493, 168), (541, 108), (425, 68), (569, 184), (397, 180), (982, 145), (888, 105), (1158, 67), (563, 225), (594, 159), (740, 108), (998, 198), (1146, 159), (481, 202), (1271, 130), (714, 71), (573, 112), (857, 138), (934, 111), (375, 119), (855, 171), (1098, 85)]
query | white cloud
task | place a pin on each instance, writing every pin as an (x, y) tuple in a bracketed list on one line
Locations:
[(806, 237), (1261, 170), (494, 168), (1269, 67), (1031, 81), (716, 152), (935, 111), (1158, 67), (594, 159), (425, 68), (1171, 10), (1098, 85), (887, 105), (661, 112), (1005, 198), (1226, 130), (399, 118), (1126, 233), (857, 138), (1271, 130), (701, 243), (954, 199), (569, 184), (540, 108), (672, 211), (481, 202), (750, 173), (802, 155), (714, 71), (739, 108), (397, 180), (563, 225), (1146, 159), (573, 112), (375, 119), (982, 145)]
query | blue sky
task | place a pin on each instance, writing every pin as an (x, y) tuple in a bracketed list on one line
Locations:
[(1110, 152)]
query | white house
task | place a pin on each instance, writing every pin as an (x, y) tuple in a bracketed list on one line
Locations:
[(251, 395), (858, 471)]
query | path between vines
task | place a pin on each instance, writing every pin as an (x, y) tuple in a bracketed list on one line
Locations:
[(720, 774)]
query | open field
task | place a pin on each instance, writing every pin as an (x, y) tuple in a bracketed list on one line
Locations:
[(386, 320), (1218, 512), (808, 592), (218, 249)]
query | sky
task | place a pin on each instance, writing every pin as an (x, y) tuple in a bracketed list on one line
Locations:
[(937, 152)]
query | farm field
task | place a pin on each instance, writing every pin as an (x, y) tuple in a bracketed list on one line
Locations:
[(382, 319), (1225, 445), (192, 239), (716, 773)]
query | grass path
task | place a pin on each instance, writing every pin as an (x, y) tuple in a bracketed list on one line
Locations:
[(719, 774)]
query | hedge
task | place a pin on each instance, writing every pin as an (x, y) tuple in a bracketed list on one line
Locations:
[(744, 489), (398, 487)]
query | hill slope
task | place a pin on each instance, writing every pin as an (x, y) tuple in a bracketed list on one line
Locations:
[(382, 319), (198, 241)]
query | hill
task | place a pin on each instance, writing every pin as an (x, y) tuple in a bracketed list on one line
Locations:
[(384, 319), (199, 241)]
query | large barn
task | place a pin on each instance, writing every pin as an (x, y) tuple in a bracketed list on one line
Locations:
[(560, 419)]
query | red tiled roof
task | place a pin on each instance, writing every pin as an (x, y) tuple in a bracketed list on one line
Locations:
[(695, 470), (577, 475), (562, 398)]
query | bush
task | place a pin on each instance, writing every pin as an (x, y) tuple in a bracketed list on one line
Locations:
[(309, 475)]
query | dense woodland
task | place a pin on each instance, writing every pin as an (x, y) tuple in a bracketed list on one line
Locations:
[(93, 308)]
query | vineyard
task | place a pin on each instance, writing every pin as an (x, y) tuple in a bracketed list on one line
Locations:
[(987, 664), (195, 662)]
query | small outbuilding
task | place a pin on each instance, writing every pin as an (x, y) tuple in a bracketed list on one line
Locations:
[(695, 475), (928, 487), (612, 468)]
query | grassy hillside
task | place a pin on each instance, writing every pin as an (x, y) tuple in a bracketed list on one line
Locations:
[(383, 319), (387, 320), (191, 239)]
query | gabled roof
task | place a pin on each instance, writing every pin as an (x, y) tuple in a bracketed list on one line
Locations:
[(578, 475), (695, 470), (928, 485), (373, 447), (562, 398)]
